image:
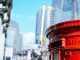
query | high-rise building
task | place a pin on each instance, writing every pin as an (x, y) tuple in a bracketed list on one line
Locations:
[(12, 39), (18, 44), (12, 33), (44, 16)]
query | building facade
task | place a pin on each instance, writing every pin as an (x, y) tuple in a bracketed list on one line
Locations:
[(13, 37), (12, 33)]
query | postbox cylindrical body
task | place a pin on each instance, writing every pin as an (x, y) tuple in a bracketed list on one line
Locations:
[(64, 35)]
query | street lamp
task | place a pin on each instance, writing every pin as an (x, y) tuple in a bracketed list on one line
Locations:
[(5, 9)]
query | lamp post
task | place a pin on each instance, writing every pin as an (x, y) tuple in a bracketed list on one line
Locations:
[(5, 9)]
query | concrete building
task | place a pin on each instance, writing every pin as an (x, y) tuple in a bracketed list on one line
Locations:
[(45, 55), (9, 53)]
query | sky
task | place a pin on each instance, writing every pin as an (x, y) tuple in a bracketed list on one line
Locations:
[(24, 13)]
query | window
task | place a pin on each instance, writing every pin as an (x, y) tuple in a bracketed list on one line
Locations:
[(55, 56), (56, 44), (8, 58)]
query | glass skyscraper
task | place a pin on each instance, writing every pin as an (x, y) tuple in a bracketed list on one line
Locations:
[(14, 39), (42, 23), (12, 33)]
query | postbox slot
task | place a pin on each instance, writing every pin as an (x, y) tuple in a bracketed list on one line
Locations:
[(56, 44)]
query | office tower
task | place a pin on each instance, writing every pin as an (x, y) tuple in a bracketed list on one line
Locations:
[(18, 44), (44, 16), (12, 33), (12, 36)]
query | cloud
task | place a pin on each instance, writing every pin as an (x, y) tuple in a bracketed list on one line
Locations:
[(28, 40)]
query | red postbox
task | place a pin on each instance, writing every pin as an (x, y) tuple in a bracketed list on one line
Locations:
[(64, 36)]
